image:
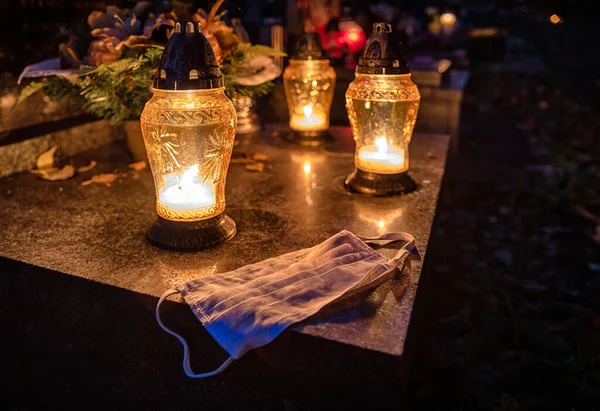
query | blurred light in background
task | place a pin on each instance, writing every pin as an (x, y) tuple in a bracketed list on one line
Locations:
[(555, 19)]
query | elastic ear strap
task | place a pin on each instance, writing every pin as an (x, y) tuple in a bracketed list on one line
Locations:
[(396, 236), (187, 368)]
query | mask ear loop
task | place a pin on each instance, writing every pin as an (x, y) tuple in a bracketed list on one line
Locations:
[(187, 368), (393, 237)]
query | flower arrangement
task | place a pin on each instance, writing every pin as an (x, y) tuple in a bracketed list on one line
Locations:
[(113, 80)]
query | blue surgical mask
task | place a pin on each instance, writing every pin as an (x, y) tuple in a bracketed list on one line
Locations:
[(249, 307)]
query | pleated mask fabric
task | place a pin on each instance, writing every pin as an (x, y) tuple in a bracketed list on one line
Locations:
[(249, 307)]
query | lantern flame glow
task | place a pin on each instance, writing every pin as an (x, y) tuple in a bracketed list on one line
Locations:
[(188, 192), (307, 111)]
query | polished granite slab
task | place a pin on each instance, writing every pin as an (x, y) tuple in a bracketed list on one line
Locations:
[(97, 232)]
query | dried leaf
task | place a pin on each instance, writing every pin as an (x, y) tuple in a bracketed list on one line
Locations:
[(46, 159), (260, 157), (46, 171), (260, 167), (64, 173), (106, 179), (87, 168), (239, 160), (138, 165)]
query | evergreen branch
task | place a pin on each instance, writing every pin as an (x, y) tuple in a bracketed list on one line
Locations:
[(119, 90)]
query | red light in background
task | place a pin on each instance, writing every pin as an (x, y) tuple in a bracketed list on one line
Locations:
[(353, 35)]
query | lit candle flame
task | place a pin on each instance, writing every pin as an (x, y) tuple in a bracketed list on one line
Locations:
[(381, 144), (312, 120), (187, 192), (188, 176), (381, 157), (307, 111), (307, 167)]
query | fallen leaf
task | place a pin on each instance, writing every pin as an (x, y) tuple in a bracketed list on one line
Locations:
[(54, 174), (106, 179), (260, 157), (260, 167), (138, 165), (46, 171), (46, 159), (87, 168), (239, 158)]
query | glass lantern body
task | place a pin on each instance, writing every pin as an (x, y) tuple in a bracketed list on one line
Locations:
[(189, 137), (382, 110), (309, 87)]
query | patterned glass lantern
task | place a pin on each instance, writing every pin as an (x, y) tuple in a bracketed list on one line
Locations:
[(189, 129), (382, 103), (309, 83)]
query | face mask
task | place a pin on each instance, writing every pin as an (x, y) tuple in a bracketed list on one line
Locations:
[(249, 307)]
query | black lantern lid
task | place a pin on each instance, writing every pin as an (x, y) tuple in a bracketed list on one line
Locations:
[(308, 47), (381, 54), (188, 62)]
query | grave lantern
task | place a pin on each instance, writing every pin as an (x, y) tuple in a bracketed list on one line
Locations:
[(309, 82), (189, 128), (382, 103)]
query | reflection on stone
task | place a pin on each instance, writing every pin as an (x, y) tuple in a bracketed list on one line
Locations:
[(308, 175), (382, 217)]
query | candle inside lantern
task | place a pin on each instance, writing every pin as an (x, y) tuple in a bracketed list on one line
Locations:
[(382, 158), (186, 192), (311, 121)]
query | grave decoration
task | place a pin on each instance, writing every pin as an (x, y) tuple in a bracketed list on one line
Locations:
[(113, 80), (383, 104), (189, 130), (309, 83)]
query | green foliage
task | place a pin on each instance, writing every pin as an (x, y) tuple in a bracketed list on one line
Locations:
[(118, 91)]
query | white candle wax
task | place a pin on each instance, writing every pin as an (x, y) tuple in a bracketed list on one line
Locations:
[(309, 122), (381, 158), (187, 192)]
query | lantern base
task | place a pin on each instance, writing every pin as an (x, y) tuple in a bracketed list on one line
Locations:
[(191, 235), (308, 138), (380, 184)]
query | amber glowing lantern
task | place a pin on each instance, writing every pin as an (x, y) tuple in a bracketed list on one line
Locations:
[(309, 82), (382, 103), (189, 129)]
